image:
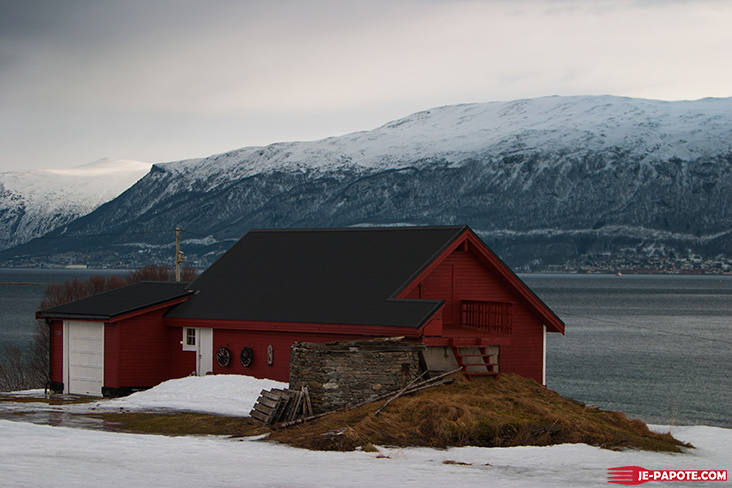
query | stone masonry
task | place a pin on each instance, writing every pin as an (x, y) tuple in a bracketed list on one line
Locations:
[(345, 373)]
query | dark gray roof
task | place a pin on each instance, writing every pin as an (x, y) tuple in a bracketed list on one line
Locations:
[(332, 276), (120, 301)]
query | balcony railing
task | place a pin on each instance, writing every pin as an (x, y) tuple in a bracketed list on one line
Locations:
[(495, 317)]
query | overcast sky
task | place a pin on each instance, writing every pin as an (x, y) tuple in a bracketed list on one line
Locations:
[(162, 80)]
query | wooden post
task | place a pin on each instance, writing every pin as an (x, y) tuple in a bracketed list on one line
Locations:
[(178, 254)]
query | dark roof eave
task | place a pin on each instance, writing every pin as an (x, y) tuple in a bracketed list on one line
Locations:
[(68, 316), (109, 317), (417, 325), (459, 231)]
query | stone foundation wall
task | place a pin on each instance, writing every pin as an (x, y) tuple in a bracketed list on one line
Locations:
[(341, 374)]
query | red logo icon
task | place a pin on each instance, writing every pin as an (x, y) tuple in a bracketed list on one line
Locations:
[(635, 475)]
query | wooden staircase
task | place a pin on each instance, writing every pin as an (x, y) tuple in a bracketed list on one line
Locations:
[(473, 358)]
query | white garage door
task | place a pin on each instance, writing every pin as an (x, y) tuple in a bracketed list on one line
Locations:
[(84, 357)]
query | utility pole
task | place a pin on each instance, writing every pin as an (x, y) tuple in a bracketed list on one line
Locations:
[(178, 254)]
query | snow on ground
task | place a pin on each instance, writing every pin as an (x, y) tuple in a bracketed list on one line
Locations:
[(233, 395), (226, 394), (39, 455), (43, 455)]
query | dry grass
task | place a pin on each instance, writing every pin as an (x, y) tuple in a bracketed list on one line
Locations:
[(491, 412)]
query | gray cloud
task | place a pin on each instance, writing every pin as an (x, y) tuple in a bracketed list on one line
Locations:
[(167, 79)]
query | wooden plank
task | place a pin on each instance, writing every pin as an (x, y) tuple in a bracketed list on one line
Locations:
[(308, 408), (272, 395), (263, 409), (283, 409), (268, 402), (294, 406), (277, 411), (281, 406), (259, 416)]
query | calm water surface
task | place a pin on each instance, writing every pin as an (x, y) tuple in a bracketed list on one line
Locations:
[(21, 291), (655, 347)]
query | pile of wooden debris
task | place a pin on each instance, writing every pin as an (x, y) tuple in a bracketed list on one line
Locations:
[(284, 407)]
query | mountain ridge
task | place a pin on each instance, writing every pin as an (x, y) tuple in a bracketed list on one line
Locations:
[(37, 201), (541, 180)]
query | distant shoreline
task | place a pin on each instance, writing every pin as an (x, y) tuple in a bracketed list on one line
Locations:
[(615, 272), (24, 284)]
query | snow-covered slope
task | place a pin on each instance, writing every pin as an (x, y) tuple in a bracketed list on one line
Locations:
[(541, 180), (37, 201), (651, 129)]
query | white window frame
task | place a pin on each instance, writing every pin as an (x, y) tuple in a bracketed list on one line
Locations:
[(543, 357), (184, 342)]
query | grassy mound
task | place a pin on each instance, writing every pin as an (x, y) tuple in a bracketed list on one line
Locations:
[(491, 412)]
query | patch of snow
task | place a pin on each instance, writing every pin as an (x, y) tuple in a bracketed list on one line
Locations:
[(22, 393), (204, 241), (227, 394)]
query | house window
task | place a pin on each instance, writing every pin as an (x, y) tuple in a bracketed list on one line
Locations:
[(189, 339)]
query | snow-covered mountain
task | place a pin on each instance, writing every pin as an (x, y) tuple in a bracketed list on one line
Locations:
[(37, 201), (541, 180), (649, 129)]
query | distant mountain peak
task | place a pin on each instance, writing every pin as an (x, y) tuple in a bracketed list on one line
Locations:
[(36, 201), (103, 167)]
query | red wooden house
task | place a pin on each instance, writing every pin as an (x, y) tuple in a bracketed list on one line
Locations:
[(438, 285)]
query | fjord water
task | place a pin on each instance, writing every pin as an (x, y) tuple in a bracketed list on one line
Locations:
[(21, 291), (657, 347)]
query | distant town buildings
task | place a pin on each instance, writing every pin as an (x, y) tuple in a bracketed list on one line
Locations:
[(631, 262)]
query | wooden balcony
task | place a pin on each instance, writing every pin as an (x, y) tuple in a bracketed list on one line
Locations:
[(493, 317)]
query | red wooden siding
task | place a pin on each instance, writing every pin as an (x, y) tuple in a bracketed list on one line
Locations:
[(57, 351), (433, 328), (440, 284), (258, 341), (139, 348), (462, 276), (181, 363)]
